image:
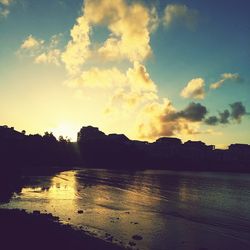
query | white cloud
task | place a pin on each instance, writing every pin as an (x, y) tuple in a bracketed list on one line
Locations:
[(31, 42), (180, 13), (194, 89), (129, 92), (77, 50), (42, 52), (224, 78), (138, 91), (51, 57), (129, 35), (99, 78), (140, 79), (129, 25), (5, 2), (4, 12), (4, 8), (155, 120), (154, 20)]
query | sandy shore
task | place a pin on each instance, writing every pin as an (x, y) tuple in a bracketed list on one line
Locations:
[(20, 230)]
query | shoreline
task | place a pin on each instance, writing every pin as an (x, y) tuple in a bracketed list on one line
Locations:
[(21, 230)]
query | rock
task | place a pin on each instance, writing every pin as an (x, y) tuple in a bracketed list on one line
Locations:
[(80, 211), (131, 243), (135, 223), (110, 238), (137, 237)]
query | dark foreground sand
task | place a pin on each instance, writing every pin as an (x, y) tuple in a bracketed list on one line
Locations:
[(19, 230)]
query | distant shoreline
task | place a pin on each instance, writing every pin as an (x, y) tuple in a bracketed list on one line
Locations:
[(95, 149)]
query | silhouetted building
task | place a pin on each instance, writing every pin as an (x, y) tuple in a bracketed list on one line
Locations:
[(169, 141), (96, 149)]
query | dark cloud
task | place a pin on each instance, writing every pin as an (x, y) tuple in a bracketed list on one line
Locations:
[(224, 116), (212, 120), (194, 112), (237, 111)]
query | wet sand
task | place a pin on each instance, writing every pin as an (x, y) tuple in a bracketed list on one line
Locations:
[(20, 230)]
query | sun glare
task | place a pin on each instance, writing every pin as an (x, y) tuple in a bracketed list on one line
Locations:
[(66, 129)]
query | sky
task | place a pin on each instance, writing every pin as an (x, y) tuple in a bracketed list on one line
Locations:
[(146, 69)]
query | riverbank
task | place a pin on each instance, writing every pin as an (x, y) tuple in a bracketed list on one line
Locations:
[(20, 230)]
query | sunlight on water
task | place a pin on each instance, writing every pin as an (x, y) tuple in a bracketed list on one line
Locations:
[(60, 188), (63, 189), (192, 210)]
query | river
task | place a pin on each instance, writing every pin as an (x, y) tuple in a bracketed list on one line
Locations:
[(164, 209)]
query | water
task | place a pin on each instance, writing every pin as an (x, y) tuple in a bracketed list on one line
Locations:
[(170, 210)]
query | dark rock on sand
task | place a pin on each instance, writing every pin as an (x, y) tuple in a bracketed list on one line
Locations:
[(137, 237), (131, 243)]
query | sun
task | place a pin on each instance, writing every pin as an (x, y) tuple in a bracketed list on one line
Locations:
[(66, 129)]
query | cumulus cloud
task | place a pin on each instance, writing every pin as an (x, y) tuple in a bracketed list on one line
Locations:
[(154, 21), (51, 57), (180, 13), (222, 118), (139, 78), (77, 50), (129, 37), (238, 110), (226, 77), (137, 89), (128, 90), (194, 112), (162, 119), (129, 100), (131, 91), (31, 42), (136, 78), (212, 120), (4, 7), (50, 54), (42, 52), (4, 12), (129, 25), (97, 77), (5, 2), (194, 89)]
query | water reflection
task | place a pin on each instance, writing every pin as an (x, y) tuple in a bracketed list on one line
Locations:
[(63, 187), (158, 205)]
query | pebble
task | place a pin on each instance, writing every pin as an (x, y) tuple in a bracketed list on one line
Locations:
[(131, 243), (137, 237)]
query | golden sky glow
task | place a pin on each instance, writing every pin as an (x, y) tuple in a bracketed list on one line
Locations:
[(143, 69)]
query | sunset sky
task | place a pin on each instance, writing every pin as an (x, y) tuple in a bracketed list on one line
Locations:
[(143, 68)]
